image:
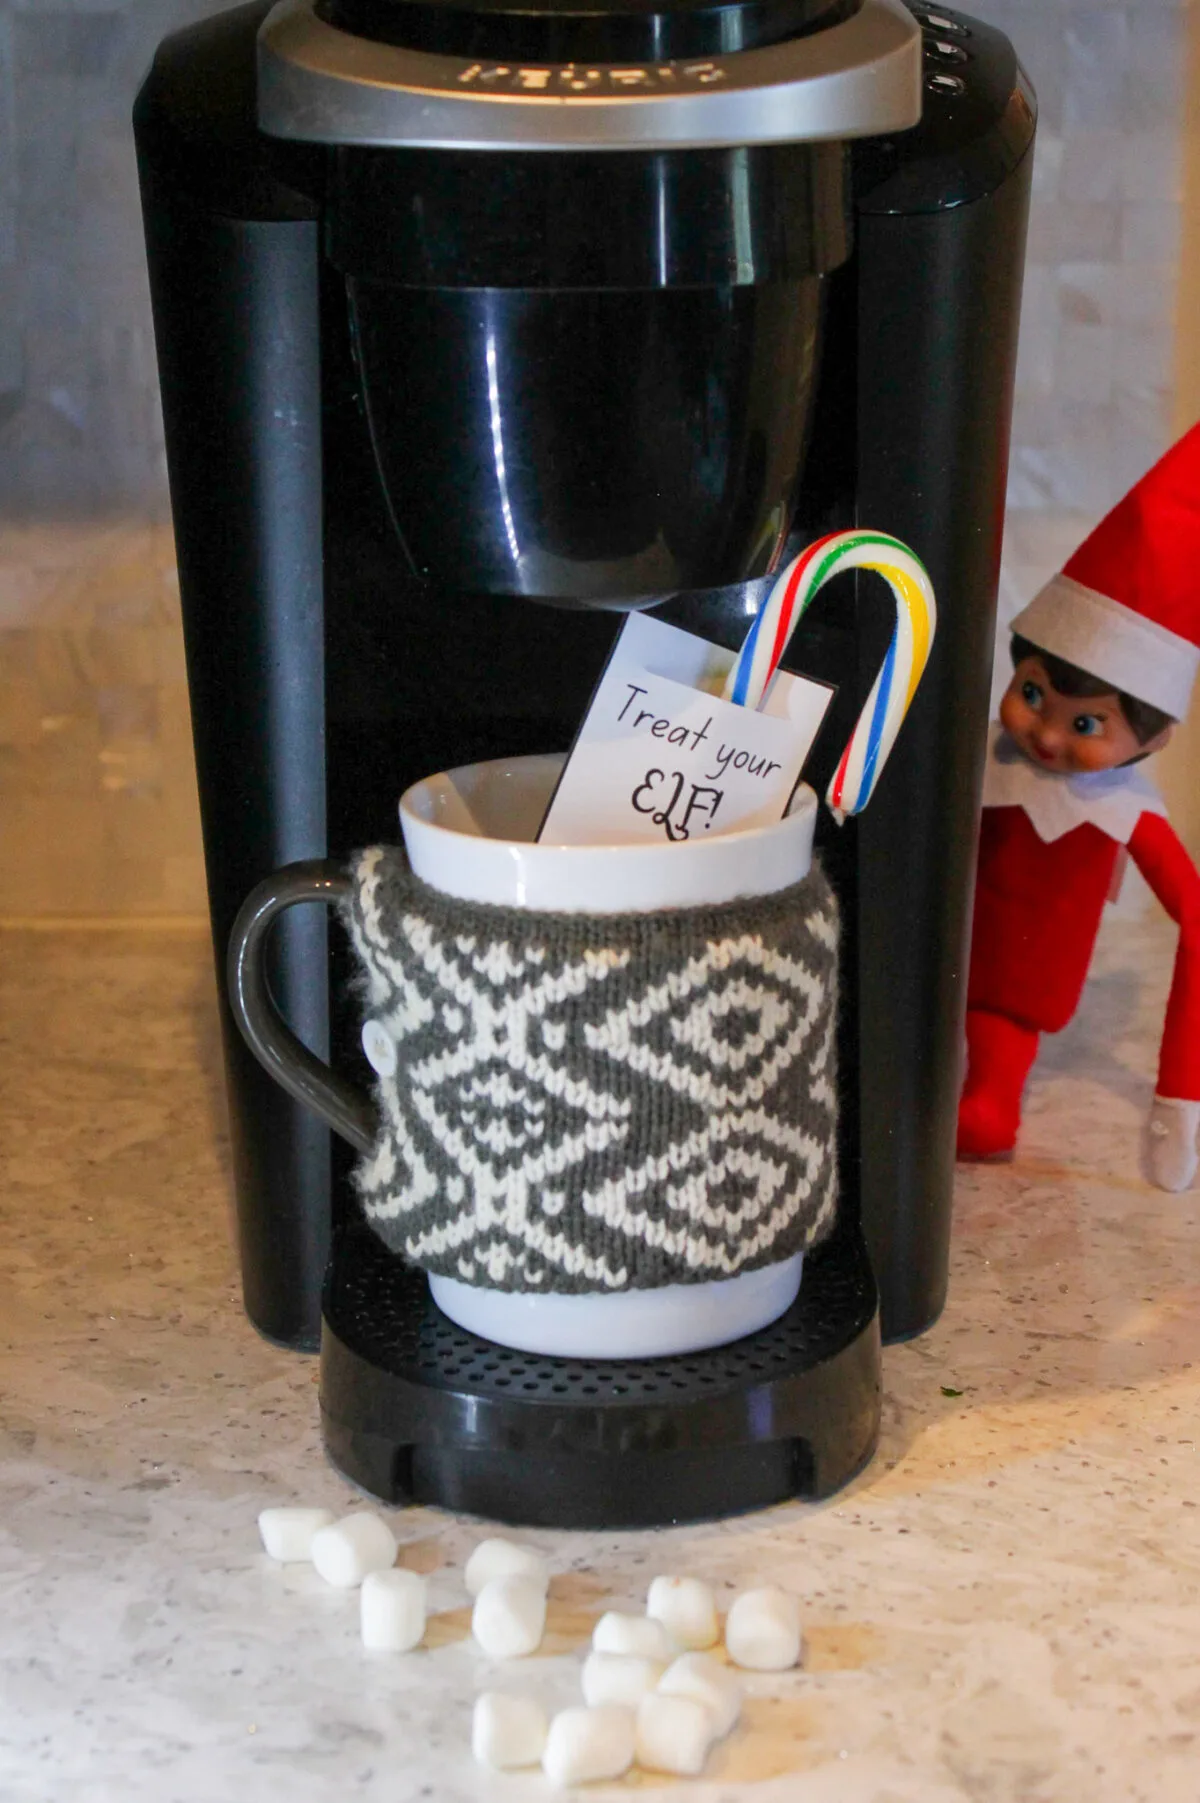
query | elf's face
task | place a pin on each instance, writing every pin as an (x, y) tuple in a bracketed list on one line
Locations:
[(1068, 734)]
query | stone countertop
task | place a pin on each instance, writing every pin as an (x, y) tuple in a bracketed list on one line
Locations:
[(1004, 1607)]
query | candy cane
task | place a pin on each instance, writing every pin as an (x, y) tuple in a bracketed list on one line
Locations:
[(916, 620)]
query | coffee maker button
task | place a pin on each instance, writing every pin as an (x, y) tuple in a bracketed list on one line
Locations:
[(938, 22), (941, 52), (380, 1048), (945, 84)]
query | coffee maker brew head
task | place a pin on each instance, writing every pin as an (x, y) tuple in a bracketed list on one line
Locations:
[(583, 247)]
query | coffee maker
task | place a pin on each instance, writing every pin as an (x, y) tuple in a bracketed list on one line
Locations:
[(480, 322)]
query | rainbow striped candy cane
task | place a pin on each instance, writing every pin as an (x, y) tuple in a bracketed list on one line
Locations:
[(916, 620)]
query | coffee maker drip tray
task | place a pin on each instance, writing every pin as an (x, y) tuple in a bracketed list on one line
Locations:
[(415, 1409)]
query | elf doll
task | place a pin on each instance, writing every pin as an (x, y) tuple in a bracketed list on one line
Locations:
[(1104, 660)]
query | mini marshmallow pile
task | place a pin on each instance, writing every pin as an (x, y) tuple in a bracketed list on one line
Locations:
[(357, 1552), (508, 1582), (653, 1692)]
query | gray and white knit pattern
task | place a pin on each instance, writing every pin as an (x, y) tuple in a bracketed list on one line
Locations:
[(599, 1102)]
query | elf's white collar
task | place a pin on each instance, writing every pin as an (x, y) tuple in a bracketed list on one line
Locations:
[(1113, 800)]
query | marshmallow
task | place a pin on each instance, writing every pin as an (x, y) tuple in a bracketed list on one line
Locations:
[(618, 1678), (589, 1744), (503, 1559), (393, 1610), (762, 1630), (287, 1534), (635, 1634), (345, 1552), (509, 1617), (673, 1734), (707, 1681), (507, 1732), (687, 1610)]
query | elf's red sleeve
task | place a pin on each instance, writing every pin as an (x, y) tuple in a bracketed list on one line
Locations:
[(1156, 849)]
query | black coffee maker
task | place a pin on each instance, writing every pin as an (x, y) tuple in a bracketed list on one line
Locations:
[(480, 322)]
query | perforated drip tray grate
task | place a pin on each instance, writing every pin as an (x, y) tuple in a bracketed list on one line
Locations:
[(382, 1310), (414, 1406)]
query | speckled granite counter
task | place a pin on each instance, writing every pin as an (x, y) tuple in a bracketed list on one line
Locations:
[(1005, 1607)]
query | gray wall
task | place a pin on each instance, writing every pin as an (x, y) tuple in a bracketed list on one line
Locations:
[(79, 429), (1097, 334)]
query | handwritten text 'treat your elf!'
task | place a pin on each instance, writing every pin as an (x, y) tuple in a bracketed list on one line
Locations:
[(726, 757)]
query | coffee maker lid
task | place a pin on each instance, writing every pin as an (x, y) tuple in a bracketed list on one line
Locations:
[(838, 74)]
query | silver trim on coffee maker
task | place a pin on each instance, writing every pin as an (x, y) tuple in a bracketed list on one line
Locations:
[(324, 86)]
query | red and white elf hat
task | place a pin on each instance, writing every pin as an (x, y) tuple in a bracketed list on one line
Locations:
[(1126, 608)]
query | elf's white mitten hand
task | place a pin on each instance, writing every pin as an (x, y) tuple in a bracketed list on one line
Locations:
[(1171, 1134)]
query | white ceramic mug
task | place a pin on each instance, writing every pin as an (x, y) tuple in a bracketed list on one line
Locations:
[(470, 833)]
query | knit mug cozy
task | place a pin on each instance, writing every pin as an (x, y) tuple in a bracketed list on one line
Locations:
[(589, 1103)]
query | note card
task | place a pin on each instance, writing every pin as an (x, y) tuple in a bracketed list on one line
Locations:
[(660, 755)]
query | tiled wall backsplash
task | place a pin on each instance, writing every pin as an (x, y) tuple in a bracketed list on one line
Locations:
[(98, 810), (79, 425), (97, 804), (1097, 328)]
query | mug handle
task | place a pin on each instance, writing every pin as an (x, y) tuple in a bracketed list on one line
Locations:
[(338, 1102)]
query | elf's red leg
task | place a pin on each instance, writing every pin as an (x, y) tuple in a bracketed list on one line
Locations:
[(1000, 1053)]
